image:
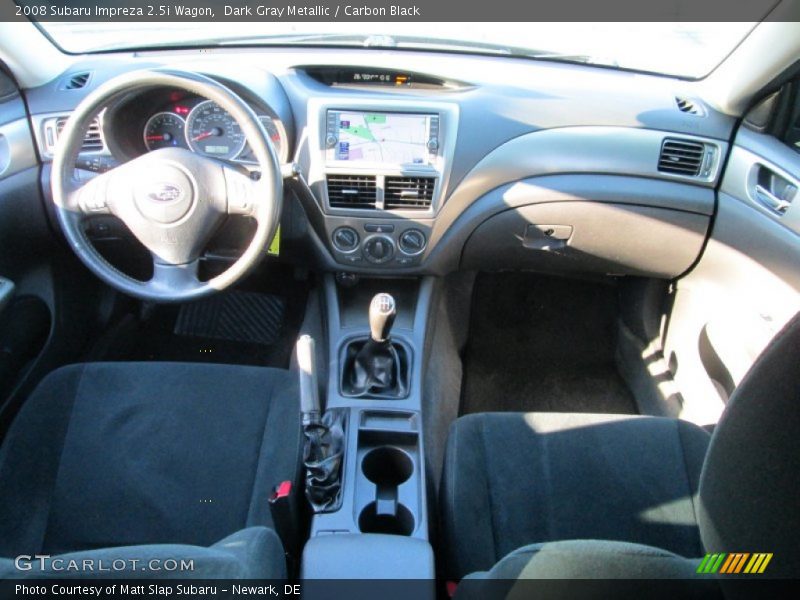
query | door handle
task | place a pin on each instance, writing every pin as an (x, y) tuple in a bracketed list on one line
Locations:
[(770, 200)]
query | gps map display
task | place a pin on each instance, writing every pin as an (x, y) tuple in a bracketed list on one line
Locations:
[(382, 138)]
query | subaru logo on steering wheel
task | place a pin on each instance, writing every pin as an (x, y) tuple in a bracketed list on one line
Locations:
[(165, 192)]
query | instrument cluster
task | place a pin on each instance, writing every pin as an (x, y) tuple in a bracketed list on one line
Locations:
[(204, 127)]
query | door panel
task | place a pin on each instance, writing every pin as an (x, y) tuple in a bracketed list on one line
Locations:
[(25, 317), (746, 285), (22, 220)]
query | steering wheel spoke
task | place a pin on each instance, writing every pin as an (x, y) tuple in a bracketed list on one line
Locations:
[(241, 191), (168, 278), (89, 198)]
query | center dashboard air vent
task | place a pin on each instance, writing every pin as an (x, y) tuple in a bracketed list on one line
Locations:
[(683, 157), (352, 191), (403, 193)]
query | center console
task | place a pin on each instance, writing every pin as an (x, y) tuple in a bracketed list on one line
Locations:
[(380, 170), (382, 509)]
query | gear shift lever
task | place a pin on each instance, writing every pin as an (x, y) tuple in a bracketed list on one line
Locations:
[(376, 367), (382, 311)]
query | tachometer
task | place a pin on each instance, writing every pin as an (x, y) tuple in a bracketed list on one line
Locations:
[(164, 130), (211, 130)]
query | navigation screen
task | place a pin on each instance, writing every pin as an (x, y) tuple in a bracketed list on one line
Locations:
[(380, 137)]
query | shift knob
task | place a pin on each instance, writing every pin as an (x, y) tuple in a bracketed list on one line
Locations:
[(382, 311)]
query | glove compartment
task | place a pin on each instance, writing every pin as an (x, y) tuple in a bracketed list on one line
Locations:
[(585, 236)]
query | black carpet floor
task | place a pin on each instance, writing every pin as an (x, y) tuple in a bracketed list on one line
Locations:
[(255, 325), (542, 344)]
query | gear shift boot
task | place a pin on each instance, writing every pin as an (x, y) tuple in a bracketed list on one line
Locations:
[(375, 369), (376, 366)]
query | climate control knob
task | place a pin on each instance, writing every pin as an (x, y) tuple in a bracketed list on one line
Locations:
[(378, 249), (345, 239), (412, 241)]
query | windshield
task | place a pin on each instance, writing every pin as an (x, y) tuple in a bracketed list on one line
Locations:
[(689, 50)]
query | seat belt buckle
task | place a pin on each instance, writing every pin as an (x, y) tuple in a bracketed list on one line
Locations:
[(282, 490), (283, 506)]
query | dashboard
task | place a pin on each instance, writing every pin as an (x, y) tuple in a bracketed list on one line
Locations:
[(477, 162)]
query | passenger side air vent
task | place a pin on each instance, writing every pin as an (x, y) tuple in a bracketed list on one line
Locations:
[(408, 192), (352, 191), (681, 157), (689, 106), (76, 81), (92, 141)]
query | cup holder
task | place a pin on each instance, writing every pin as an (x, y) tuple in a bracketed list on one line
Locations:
[(400, 523), (387, 466)]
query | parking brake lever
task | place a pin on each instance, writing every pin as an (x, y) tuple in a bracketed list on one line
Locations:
[(310, 407), (323, 432)]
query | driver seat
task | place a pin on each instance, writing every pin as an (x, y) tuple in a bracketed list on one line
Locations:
[(150, 462)]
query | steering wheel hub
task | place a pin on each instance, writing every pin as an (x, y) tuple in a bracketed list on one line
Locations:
[(165, 196)]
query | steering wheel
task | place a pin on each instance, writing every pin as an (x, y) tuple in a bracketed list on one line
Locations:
[(171, 199)]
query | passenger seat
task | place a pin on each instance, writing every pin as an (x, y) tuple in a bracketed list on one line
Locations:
[(560, 495)]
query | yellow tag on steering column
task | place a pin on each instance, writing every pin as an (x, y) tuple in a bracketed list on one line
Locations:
[(275, 247)]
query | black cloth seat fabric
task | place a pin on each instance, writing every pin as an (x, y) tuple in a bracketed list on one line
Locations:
[(105, 455), (514, 479)]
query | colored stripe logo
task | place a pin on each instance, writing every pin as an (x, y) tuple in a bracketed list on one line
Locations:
[(734, 563)]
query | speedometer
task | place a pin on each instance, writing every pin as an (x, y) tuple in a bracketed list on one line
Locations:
[(211, 130)]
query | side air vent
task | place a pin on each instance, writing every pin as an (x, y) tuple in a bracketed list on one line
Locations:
[(92, 141), (681, 157), (352, 191), (408, 192), (689, 106), (76, 81)]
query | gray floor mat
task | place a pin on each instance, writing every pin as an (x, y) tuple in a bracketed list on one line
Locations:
[(234, 316)]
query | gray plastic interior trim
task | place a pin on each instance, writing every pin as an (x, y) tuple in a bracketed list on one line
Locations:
[(453, 227), (17, 152), (602, 150), (368, 556), (601, 237)]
